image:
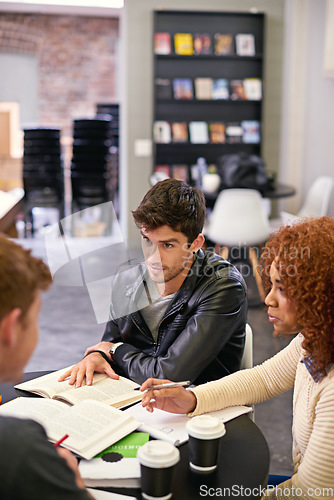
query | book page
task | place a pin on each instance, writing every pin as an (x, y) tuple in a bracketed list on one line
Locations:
[(91, 425), (37, 409), (103, 389), (47, 385)]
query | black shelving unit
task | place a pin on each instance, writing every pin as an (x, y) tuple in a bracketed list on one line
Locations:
[(230, 67)]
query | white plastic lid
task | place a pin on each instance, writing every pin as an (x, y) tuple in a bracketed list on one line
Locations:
[(205, 427), (158, 454)]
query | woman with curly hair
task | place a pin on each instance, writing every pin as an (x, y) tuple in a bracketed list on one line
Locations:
[(297, 268)]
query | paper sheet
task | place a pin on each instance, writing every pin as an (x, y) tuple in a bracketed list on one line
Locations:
[(171, 427)]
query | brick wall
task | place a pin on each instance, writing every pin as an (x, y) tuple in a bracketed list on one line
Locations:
[(77, 61)]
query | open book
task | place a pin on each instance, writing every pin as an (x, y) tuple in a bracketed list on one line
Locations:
[(117, 393), (91, 425)]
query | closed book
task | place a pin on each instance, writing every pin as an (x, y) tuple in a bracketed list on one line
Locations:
[(198, 132), (183, 44), (202, 44), (223, 44), (162, 43), (203, 88), (220, 89), (183, 88)]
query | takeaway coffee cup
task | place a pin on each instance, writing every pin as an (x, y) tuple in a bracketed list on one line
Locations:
[(204, 432), (157, 459)]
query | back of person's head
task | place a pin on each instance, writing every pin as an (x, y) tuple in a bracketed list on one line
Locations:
[(175, 204), (21, 277), (304, 255)]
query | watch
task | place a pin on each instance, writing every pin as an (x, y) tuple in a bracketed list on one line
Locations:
[(114, 347)]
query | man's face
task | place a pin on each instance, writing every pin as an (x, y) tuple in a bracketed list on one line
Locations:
[(168, 255), (27, 338)]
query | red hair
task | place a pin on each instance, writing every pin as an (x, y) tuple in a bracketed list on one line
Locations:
[(304, 253)]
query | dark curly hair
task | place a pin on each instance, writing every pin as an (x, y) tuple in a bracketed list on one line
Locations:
[(305, 262), (175, 204)]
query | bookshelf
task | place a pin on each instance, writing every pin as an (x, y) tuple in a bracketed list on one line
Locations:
[(169, 66)]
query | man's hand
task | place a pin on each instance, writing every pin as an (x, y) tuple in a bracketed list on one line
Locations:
[(87, 366), (72, 464), (173, 400)]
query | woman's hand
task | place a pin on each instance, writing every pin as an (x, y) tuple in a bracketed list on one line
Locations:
[(174, 400)]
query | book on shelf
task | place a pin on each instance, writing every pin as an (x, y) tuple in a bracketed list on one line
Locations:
[(203, 88), (245, 44), (250, 131), (180, 172), (202, 44), (217, 133), (162, 43), (183, 88), (233, 132), (223, 44), (220, 89), (179, 132), (162, 132), (198, 132), (162, 168), (163, 88), (183, 44), (237, 91), (253, 89), (117, 393), (117, 465), (91, 425)]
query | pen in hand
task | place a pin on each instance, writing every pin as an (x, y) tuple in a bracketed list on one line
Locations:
[(60, 441), (168, 385)]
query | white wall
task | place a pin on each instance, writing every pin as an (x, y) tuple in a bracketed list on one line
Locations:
[(308, 101), (19, 83)]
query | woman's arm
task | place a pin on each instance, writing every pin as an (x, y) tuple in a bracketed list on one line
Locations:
[(248, 387)]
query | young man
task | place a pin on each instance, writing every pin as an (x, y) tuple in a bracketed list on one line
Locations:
[(30, 466), (182, 313)]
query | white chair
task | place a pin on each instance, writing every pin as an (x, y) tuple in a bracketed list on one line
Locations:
[(239, 220), (247, 357), (315, 204)]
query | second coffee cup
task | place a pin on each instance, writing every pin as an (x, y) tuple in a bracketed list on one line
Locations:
[(204, 433), (157, 459)]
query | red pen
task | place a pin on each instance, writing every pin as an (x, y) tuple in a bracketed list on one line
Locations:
[(60, 441)]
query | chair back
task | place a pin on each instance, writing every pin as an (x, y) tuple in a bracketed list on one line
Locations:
[(317, 198), (238, 218), (247, 357)]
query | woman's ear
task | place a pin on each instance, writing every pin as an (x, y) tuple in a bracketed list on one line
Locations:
[(8, 328), (197, 243)]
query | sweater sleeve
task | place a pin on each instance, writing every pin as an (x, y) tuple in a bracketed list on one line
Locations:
[(315, 475), (248, 387)]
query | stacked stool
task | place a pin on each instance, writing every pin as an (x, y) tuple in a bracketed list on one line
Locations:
[(91, 162), (43, 176)]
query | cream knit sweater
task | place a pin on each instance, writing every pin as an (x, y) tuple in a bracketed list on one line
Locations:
[(313, 416)]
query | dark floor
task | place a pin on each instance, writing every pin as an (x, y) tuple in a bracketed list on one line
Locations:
[(68, 325)]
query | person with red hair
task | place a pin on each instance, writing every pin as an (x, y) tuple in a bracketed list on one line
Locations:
[(297, 268)]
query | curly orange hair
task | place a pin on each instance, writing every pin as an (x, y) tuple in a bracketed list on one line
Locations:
[(304, 252)]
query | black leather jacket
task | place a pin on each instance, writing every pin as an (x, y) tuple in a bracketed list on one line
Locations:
[(201, 336)]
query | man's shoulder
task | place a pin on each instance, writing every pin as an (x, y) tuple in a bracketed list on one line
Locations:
[(18, 430)]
